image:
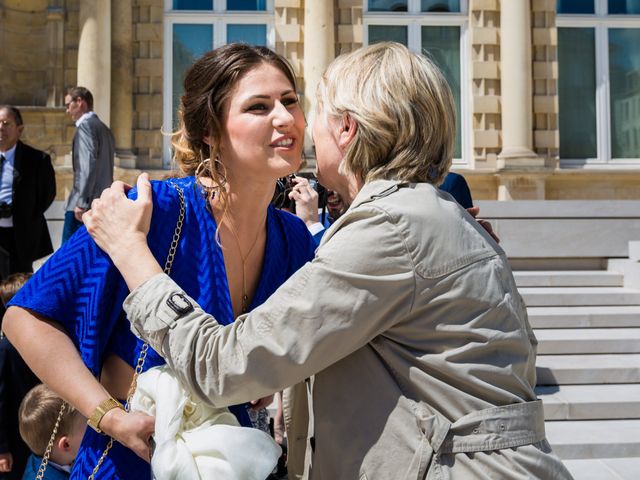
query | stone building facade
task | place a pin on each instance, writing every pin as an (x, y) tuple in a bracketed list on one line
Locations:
[(512, 64)]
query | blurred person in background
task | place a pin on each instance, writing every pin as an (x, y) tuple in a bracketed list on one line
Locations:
[(27, 188)]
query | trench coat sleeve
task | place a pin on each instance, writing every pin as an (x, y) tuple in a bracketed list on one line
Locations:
[(86, 173), (360, 283)]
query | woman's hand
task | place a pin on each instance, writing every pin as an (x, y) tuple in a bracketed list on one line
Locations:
[(117, 223), (132, 429), (263, 402), (306, 199), (474, 211), (119, 226)]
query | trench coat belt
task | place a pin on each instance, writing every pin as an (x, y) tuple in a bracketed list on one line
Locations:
[(493, 428)]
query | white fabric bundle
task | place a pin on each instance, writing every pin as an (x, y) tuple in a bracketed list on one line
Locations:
[(196, 441)]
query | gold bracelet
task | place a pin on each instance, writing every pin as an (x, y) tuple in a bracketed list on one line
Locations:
[(101, 410)]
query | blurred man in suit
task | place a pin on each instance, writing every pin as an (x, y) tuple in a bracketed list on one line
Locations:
[(27, 188), (93, 152)]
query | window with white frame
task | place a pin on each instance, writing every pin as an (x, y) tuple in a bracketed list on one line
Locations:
[(194, 27), (436, 28), (599, 81)]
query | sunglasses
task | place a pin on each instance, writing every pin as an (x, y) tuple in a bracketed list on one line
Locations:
[(66, 105)]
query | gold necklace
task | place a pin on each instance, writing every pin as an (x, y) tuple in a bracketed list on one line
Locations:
[(243, 259)]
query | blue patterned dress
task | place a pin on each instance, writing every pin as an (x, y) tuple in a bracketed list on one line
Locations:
[(80, 288)]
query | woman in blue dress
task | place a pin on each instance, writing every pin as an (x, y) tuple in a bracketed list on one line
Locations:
[(241, 128)]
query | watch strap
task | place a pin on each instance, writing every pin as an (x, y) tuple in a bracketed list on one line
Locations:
[(101, 410)]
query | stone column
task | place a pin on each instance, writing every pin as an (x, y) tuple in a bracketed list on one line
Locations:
[(55, 73), (94, 54), (515, 59), (122, 81), (517, 155), (319, 50)]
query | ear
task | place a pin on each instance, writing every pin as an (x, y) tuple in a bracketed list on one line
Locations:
[(347, 131), (20, 129), (63, 444), (210, 142), (83, 104)]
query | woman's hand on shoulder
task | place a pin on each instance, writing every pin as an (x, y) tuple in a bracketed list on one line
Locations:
[(118, 224), (132, 429), (474, 211)]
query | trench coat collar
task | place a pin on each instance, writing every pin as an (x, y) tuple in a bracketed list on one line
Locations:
[(368, 193), (377, 189)]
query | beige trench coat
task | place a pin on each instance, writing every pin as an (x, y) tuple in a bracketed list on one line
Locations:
[(409, 325)]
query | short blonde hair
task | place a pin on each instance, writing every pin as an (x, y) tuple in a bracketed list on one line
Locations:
[(38, 414), (404, 110)]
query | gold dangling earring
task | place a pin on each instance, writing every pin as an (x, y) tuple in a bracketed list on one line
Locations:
[(202, 166), (220, 173), (204, 170)]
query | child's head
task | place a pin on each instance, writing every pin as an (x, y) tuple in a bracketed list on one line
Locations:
[(10, 285), (8, 288), (37, 415)]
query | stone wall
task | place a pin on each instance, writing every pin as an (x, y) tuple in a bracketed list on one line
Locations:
[(289, 22), (349, 29), (147, 83), (484, 20), (546, 140)]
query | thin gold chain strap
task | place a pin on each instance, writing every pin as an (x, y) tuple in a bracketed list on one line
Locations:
[(47, 452), (145, 347)]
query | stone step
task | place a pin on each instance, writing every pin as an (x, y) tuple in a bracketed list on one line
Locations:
[(579, 296), (569, 278), (592, 340), (588, 369), (604, 468), (584, 317), (590, 402), (590, 439)]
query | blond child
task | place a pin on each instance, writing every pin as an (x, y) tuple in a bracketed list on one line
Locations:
[(37, 416)]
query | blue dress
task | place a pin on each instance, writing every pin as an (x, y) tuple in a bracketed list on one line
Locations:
[(80, 288)]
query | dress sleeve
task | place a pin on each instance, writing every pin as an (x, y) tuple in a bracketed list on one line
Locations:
[(80, 288)]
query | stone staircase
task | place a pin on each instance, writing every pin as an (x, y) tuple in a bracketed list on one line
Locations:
[(588, 328)]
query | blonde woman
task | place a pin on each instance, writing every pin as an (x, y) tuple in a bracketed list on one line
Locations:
[(408, 320)]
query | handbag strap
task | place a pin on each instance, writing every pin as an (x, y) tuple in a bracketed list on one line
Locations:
[(47, 453), (145, 347), (167, 269)]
